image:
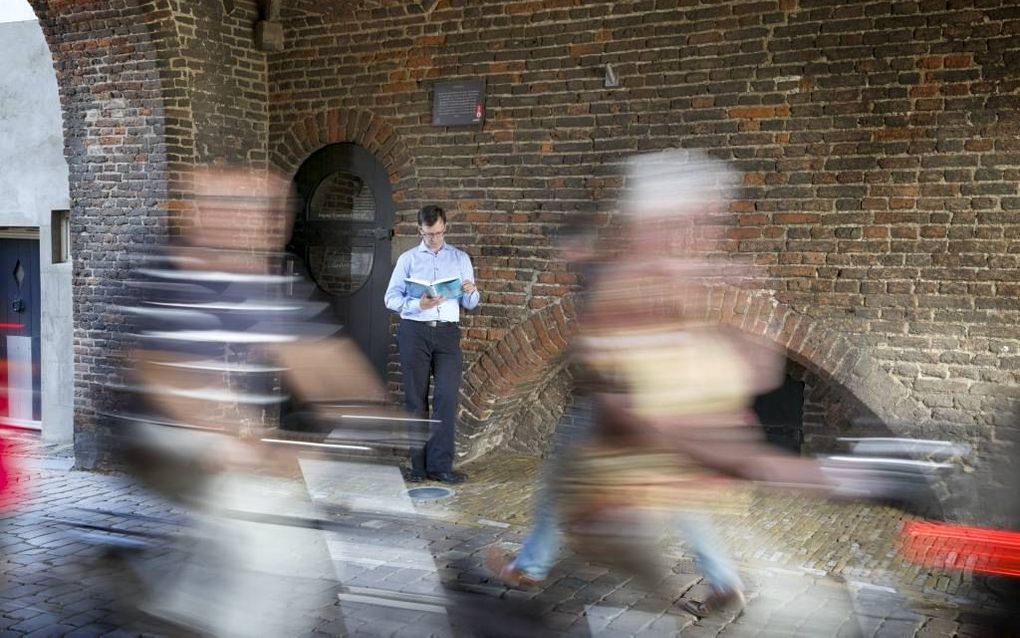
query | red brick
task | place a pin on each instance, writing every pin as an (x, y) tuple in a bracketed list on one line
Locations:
[(580, 50), (517, 8), (958, 61), (758, 112), (430, 40), (795, 218), (398, 87)]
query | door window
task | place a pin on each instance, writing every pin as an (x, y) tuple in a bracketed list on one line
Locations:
[(341, 233)]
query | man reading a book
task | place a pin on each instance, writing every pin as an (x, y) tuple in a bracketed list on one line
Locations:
[(424, 289)]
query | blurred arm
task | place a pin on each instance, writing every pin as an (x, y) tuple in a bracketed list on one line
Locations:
[(731, 449)]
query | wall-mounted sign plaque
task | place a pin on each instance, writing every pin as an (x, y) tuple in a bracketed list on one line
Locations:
[(458, 103)]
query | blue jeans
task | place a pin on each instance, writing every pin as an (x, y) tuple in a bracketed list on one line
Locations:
[(542, 546), (713, 560)]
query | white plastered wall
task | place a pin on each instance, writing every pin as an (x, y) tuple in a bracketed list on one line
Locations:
[(34, 183)]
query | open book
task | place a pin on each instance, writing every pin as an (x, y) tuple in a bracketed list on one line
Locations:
[(448, 288)]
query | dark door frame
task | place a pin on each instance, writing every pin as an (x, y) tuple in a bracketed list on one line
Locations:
[(23, 248), (363, 312)]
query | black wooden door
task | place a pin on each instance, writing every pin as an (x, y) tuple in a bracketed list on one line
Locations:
[(20, 326), (344, 233)]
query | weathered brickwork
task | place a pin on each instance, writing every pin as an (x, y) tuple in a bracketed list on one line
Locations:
[(104, 55), (146, 89), (878, 142), (878, 139), (226, 81), (214, 87)]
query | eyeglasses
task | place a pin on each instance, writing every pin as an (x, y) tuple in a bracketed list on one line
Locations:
[(435, 235)]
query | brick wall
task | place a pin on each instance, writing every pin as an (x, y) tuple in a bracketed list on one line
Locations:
[(214, 88), (146, 88), (116, 153), (878, 142), (226, 81)]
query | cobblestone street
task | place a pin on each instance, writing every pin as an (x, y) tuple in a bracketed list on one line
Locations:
[(813, 568), (252, 250)]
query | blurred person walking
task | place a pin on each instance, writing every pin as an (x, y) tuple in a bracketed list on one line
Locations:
[(541, 547), (208, 310), (672, 388)]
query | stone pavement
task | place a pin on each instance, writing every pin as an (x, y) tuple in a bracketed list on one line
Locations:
[(813, 568)]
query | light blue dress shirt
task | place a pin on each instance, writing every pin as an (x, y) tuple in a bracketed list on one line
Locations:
[(422, 263)]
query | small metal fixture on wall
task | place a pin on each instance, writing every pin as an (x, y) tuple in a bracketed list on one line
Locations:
[(612, 80)]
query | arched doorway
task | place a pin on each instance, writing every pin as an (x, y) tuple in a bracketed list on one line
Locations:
[(343, 233)]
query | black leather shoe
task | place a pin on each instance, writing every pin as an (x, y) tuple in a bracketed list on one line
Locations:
[(447, 477), (414, 477), (718, 600)]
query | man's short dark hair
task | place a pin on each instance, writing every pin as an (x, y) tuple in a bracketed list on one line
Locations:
[(429, 215)]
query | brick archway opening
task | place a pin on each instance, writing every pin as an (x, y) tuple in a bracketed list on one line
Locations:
[(309, 133), (520, 386)]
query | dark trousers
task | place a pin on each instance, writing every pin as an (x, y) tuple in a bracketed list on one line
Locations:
[(425, 352)]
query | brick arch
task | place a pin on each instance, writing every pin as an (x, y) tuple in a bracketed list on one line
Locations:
[(313, 131), (819, 349), (530, 354), (525, 359)]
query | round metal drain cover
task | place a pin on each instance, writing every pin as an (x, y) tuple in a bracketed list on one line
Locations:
[(429, 493)]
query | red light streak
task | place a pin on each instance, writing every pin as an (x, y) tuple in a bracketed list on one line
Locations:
[(978, 549)]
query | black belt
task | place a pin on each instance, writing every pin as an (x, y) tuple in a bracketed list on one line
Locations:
[(435, 324)]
